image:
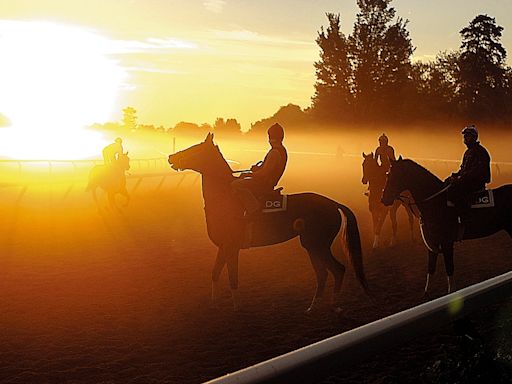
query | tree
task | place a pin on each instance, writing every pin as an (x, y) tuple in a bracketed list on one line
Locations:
[(228, 126), (483, 75), (332, 97), (436, 86), (289, 116), (130, 118), (381, 51)]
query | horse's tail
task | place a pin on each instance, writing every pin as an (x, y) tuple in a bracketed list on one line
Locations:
[(352, 244)]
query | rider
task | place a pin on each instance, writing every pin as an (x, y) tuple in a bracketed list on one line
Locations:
[(385, 152), (474, 173), (265, 174), (112, 151)]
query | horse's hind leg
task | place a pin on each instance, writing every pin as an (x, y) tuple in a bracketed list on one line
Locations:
[(338, 271), (317, 261)]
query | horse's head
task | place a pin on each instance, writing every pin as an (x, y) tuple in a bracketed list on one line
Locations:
[(395, 183), (123, 161), (370, 167), (196, 157)]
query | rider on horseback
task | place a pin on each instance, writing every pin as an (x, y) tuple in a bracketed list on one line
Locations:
[(474, 173), (112, 151), (265, 174), (385, 152)]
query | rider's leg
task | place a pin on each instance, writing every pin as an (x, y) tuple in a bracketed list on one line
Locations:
[(242, 189)]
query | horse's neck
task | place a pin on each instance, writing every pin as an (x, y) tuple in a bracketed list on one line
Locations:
[(423, 184), (217, 194), (377, 179), (216, 183)]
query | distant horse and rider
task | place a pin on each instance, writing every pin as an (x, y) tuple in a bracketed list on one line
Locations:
[(111, 176), (458, 208), (314, 218), (375, 175)]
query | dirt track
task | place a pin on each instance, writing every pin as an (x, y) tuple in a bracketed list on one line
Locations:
[(89, 298)]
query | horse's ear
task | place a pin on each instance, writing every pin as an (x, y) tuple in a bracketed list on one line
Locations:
[(364, 155), (400, 158), (209, 138)]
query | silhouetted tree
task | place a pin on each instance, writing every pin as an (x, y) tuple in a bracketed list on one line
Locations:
[(189, 129), (436, 86), (381, 51), (289, 116), (130, 118), (229, 126), (483, 75), (332, 97)]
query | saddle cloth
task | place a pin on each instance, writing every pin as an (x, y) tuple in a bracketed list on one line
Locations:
[(480, 199), (274, 201)]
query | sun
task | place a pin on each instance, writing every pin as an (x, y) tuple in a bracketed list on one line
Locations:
[(54, 80)]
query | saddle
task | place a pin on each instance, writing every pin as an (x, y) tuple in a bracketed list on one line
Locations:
[(479, 199)]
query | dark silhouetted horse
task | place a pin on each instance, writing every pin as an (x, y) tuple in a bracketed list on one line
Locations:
[(314, 218), (375, 176), (111, 178), (439, 225)]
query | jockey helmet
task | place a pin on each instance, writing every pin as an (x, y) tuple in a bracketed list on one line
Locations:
[(383, 139), (118, 140), (471, 130), (276, 132)]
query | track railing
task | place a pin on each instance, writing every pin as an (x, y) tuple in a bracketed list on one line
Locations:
[(370, 339)]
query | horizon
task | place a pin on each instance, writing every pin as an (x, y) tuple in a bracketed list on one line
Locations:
[(198, 61)]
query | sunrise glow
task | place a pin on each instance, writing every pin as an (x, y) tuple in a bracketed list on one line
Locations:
[(55, 80)]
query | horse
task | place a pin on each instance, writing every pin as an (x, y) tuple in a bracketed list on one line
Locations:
[(314, 218), (438, 221), (375, 176), (111, 178)]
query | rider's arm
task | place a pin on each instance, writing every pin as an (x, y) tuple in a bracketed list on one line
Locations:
[(391, 154), (271, 161)]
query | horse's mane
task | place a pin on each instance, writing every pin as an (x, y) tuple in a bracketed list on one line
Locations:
[(222, 161), (410, 164)]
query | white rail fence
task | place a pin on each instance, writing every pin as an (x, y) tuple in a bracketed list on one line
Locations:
[(23, 174), (366, 341)]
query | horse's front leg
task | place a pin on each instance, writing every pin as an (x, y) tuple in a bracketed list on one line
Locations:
[(392, 216), (95, 197), (124, 192), (410, 215), (432, 261), (112, 201), (232, 263), (378, 216), (218, 266), (447, 250)]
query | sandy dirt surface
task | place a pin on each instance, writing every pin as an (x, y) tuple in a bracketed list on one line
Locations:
[(108, 298)]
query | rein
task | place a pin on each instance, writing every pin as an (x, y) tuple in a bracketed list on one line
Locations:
[(406, 200), (437, 193)]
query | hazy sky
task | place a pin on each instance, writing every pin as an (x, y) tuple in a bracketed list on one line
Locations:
[(196, 60)]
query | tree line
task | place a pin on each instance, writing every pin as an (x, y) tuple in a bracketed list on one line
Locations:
[(369, 75)]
